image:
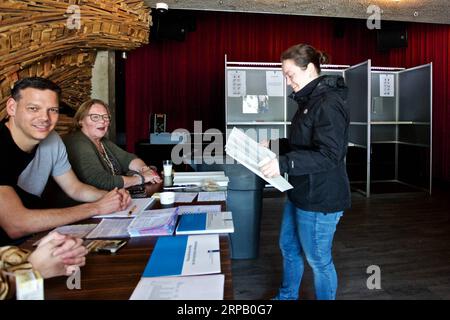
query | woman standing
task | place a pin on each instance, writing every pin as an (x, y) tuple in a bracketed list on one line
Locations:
[(314, 158), (98, 161)]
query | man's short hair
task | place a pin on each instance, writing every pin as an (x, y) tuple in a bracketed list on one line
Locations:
[(35, 83)]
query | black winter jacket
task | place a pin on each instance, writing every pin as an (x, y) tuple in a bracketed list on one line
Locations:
[(314, 154)]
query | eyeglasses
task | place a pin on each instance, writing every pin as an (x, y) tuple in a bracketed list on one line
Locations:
[(96, 117)]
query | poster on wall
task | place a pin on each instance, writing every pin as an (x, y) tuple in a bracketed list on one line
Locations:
[(255, 104), (250, 104), (236, 83), (274, 83), (387, 85)]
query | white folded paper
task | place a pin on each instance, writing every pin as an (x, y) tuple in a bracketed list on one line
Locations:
[(252, 155)]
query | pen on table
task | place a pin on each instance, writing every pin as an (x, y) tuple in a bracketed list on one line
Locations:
[(132, 209)]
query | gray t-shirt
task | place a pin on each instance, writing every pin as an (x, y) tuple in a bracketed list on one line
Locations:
[(50, 159)]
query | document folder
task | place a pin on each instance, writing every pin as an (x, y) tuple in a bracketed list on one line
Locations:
[(203, 223), (184, 256)]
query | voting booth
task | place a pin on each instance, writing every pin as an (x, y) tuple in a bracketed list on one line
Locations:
[(390, 143), (390, 136)]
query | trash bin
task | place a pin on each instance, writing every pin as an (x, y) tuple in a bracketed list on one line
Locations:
[(244, 200)]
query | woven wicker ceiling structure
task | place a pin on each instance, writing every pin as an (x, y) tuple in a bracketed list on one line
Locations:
[(58, 39)]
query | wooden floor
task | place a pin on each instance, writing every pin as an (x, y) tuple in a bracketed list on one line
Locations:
[(407, 235)]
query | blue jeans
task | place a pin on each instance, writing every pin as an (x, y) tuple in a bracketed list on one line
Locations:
[(309, 233)]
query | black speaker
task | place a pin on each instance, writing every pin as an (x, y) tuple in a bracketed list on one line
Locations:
[(172, 25), (338, 28), (392, 36)]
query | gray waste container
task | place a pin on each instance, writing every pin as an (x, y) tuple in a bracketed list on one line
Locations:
[(244, 200)]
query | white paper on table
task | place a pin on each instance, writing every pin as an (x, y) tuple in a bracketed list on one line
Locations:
[(185, 196), (252, 155), (110, 228), (76, 230), (211, 196), (274, 83), (198, 209), (207, 287), (237, 86), (151, 219), (201, 177), (140, 203), (196, 174)]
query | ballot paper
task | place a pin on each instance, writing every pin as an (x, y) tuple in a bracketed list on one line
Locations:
[(198, 209), (154, 223), (76, 230), (185, 196), (211, 196), (137, 206), (206, 287), (110, 228), (252, 155)]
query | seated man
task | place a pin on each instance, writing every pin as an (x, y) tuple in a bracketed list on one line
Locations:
[(32, 152), (56, 255), (98, 161)]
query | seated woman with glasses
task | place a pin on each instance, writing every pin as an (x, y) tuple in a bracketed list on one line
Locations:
[(98, 161)]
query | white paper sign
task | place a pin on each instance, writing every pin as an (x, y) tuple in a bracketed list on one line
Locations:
[(274, 83), (236, 83), (250, 104), (387, 85)]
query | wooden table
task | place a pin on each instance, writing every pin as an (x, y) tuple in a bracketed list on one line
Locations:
[(108, 276)]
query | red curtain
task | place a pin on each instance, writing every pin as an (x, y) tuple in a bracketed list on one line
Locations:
[(185, 79)]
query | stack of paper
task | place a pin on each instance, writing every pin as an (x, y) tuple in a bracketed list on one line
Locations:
[(202, 223), (110, 229), (185, 196), (76, 230), (154, 223), (200, 178), (184, 256), (212, 196), (198, 209), (252, 155), (207, 287)]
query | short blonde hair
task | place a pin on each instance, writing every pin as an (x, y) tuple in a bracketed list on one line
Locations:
[(83, 111)]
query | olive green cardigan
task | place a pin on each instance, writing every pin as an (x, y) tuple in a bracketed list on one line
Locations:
[(87, 162)]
